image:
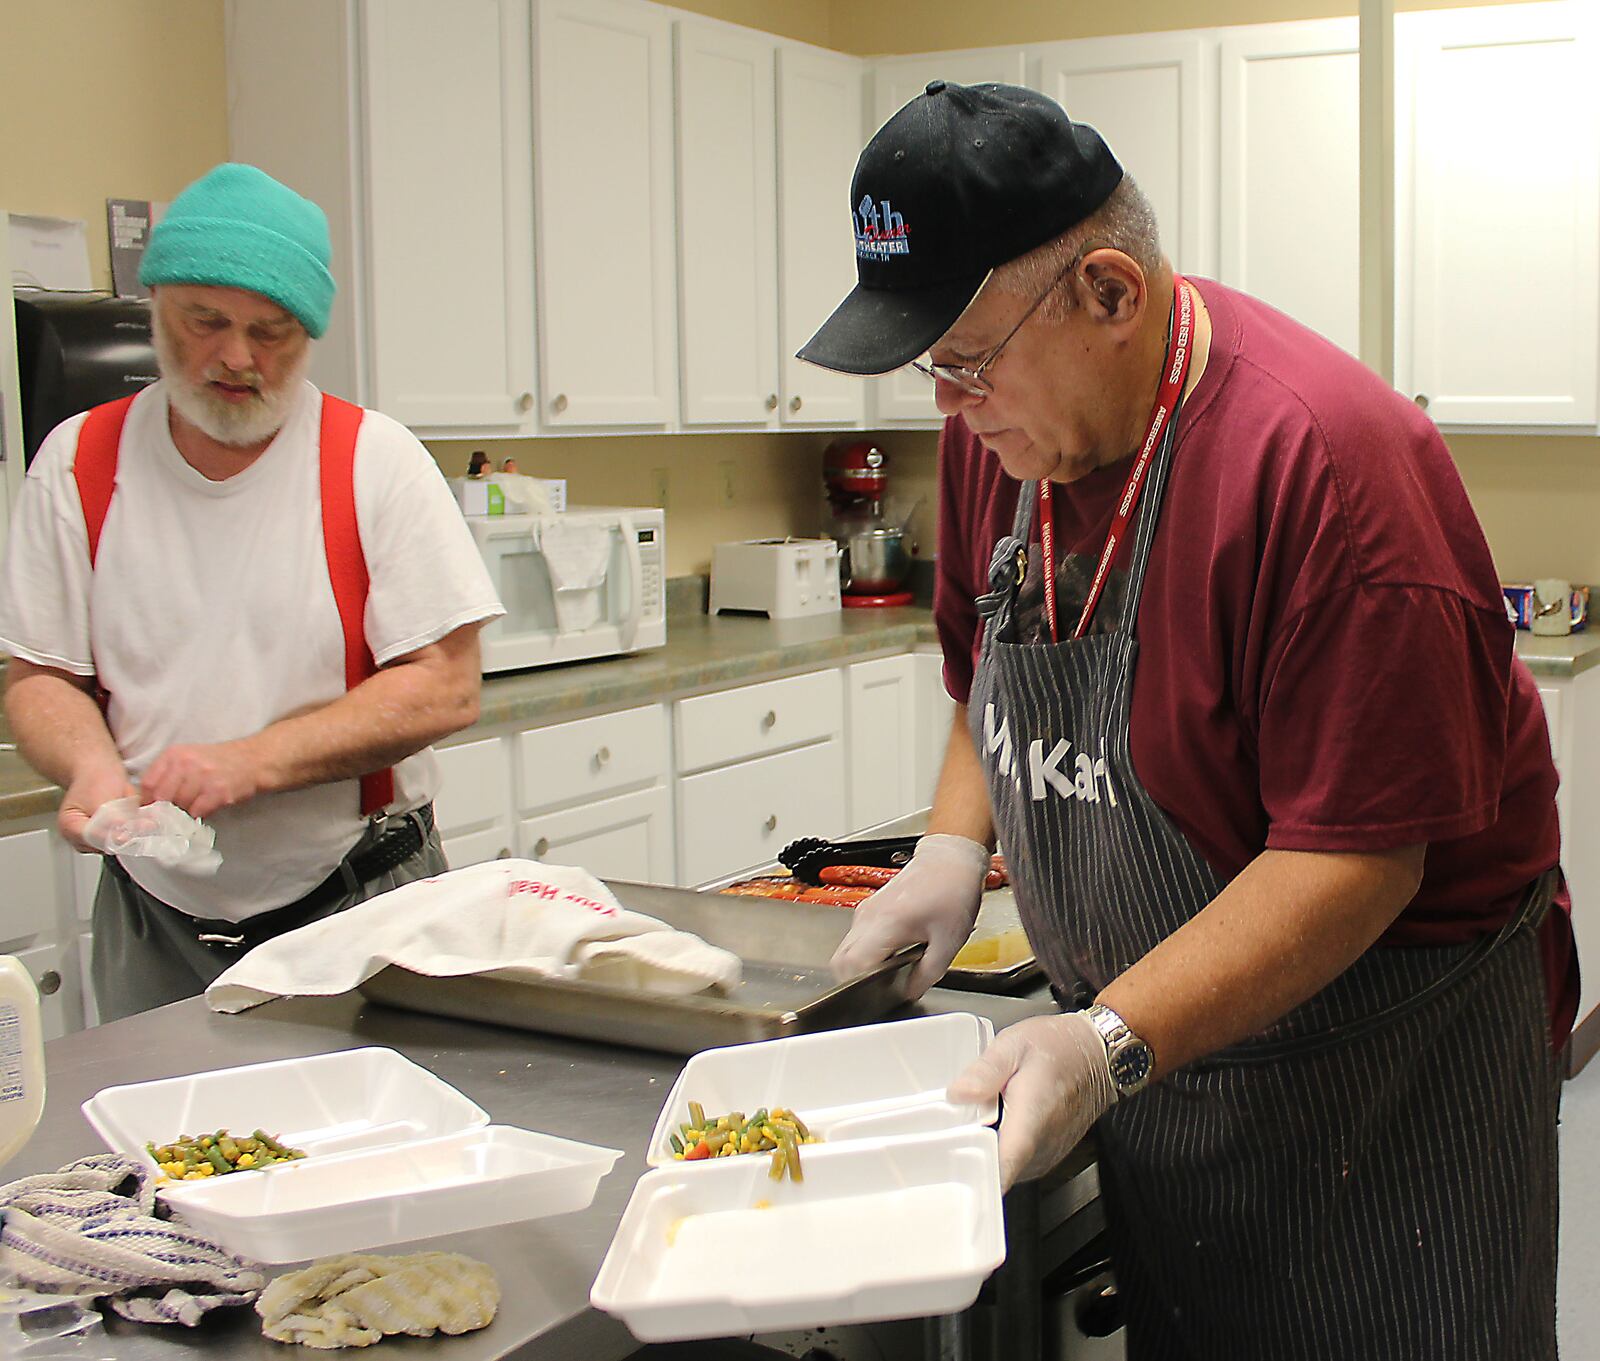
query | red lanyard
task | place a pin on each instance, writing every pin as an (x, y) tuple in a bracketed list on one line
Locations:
[(1176, 370)]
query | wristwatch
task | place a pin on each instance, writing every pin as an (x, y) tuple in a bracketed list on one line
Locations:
[(1130, 1059)]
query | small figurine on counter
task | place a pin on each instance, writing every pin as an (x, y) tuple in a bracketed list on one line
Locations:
[(478, 464), (508, 465)]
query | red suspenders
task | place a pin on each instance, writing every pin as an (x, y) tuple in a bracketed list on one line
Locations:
[(95, 470)]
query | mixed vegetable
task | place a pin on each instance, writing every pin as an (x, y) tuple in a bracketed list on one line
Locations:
[(196, 1157), (776, 1131)]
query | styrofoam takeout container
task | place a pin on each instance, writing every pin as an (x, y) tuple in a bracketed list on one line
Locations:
[(870, 1081), (392, 1153), (895, 1157), (805, 1254)]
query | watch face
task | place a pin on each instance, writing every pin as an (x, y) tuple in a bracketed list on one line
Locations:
[(1130, 1065)]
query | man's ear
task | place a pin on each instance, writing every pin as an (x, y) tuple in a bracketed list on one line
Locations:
[(1115, 286)]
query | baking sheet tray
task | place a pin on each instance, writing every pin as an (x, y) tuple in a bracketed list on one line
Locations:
[(996, 917), (787, 988)]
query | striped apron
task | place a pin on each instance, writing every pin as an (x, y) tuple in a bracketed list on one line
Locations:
[(1373, 1176)]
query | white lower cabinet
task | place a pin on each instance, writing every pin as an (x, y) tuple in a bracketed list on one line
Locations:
[(28, 870), (882, 721), (743, 815), (472, 809), (935, 712), (628, 838), (59, 1008)]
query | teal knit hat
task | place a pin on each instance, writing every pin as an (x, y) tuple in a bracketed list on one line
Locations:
[(239, 228)]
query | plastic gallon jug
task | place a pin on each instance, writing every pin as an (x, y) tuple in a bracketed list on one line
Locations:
[(21, 1057)]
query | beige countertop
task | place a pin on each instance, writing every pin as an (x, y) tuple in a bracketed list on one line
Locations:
[(704, 653)]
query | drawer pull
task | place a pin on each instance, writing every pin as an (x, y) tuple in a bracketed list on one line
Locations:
[(560, 403), (505, 853), (771, 824), (541, 848), (794, 404), (49, 983), (772, 401), (1422, 400), (769, 720), (525, 402), (602, 756)]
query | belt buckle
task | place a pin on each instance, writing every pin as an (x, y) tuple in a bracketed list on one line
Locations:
[(219, 941)]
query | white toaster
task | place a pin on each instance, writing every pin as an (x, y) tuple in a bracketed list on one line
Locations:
[(780, 578)]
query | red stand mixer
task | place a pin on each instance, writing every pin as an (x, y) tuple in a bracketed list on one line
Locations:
[(874, 555)]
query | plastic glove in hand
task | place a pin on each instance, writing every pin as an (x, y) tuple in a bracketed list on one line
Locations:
[(933, 899), (1055, 1080)]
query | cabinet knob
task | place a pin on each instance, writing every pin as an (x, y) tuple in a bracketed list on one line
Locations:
[(525, 402), (560, 402), (602, 756), (541, 848), (772, 401), (771, 824), (794, 403), (505, 853), (1421, 400), (769, 720), (49, 983)]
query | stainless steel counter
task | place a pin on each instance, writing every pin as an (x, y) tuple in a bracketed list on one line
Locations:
[(571, 1088)]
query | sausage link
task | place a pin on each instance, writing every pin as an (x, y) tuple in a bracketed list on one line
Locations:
[(857, 876), (836, 896)]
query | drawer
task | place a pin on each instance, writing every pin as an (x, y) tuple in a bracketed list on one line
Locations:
[(474, 785), (576, 762), (628, 838), (28, 871), (473, 848), (757, 719), (743, 816)]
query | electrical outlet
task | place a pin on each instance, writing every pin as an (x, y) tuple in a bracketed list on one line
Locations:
[(725, 480), (658, 487)]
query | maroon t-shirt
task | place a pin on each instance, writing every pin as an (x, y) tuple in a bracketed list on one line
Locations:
[(1325, 661)]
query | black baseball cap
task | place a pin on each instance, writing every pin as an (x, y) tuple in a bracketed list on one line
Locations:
[(963, 178)]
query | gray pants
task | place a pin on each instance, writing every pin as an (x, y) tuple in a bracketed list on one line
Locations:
[(146, 954)]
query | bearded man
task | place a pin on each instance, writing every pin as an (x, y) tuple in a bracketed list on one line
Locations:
[(240, 596)]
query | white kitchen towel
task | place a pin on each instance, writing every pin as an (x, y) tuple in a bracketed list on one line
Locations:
[(502, 916), (577, 555)]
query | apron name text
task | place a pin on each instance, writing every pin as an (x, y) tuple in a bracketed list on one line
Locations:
[(1047, 772)]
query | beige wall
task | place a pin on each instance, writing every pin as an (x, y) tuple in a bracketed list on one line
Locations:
[(107, 99), (127, 98)]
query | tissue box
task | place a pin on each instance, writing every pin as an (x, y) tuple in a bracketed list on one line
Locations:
[(478, 496)]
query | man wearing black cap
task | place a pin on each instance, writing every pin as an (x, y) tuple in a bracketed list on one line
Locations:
[(1237, 697)]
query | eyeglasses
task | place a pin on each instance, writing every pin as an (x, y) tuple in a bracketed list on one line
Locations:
[(972, 381)]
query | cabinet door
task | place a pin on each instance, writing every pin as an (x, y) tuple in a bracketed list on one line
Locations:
[(935, 711), (819, 139), (628, 838), (59, 1007), (740, 817), (1498, 164), (1147, 96), (882, 745), (28, 871), (906, 395), (494, 842), (474, 786), (1289, 171), (449, 212), (727, 225), (603, 212)]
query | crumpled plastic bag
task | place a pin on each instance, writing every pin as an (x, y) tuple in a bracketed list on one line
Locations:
[(162, 831)]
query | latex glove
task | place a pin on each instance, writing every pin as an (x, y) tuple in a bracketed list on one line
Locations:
[(83, 799), (201, 779), (934, 899), (1054, 1076)]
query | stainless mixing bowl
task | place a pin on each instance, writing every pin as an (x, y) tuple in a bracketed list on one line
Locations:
[(874, 561)]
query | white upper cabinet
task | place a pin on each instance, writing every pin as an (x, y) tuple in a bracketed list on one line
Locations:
[(604, 222), (1496, 222), (906, 395), (727, 224), (819, 138), (1149, 97), (449, 271), (1289, 171)]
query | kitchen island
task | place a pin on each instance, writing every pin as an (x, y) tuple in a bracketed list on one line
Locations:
[(571, 1088)]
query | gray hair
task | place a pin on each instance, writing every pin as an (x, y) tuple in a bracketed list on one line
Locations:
[(1125, 221)]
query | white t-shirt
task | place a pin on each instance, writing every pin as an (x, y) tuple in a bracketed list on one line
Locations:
[(209, 615)]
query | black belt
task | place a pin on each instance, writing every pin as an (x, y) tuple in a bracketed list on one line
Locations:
[(404, 835)]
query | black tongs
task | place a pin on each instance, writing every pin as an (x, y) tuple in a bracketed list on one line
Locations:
[(807, 857)]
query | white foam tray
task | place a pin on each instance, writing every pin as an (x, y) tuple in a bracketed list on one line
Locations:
[(898, 1164), (871, 1081), (822, 1252), (393, 1153)]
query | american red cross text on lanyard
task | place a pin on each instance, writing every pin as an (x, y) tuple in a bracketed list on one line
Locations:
[(1172, 380)]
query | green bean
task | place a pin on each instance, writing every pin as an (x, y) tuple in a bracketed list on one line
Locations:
[(677, 1143), (697, 1115), (215, 1158)]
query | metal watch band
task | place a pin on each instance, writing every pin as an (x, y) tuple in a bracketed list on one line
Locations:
[(1129, 1058)]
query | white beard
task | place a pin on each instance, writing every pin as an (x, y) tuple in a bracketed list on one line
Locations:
[(237, 425)]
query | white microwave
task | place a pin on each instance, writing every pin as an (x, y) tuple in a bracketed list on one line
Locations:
[(590, 582)]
